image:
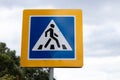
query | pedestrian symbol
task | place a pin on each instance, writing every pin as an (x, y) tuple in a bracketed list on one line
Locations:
[(52, 34), (51, 39)]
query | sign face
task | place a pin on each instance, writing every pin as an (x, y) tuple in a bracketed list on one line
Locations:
[(52, 38)]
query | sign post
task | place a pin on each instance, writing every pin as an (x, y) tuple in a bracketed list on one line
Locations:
[(52, 38), (51, 73)]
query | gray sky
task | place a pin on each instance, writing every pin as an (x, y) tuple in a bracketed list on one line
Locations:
[(101, 34)]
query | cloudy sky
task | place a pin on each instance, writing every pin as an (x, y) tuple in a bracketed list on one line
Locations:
[(101, 34)]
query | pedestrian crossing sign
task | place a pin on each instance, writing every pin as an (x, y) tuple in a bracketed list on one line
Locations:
[(52, 38)]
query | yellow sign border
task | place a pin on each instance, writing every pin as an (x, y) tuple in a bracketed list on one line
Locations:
[(78, 62)]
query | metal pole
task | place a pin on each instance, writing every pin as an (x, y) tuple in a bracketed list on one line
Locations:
[(51, 72)]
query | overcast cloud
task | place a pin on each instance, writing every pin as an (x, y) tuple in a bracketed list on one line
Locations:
[(101, 34)]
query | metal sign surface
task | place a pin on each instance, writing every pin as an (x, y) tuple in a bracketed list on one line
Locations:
[(52, 38)]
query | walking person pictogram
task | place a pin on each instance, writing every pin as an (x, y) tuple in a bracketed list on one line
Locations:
[(53, 36)]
